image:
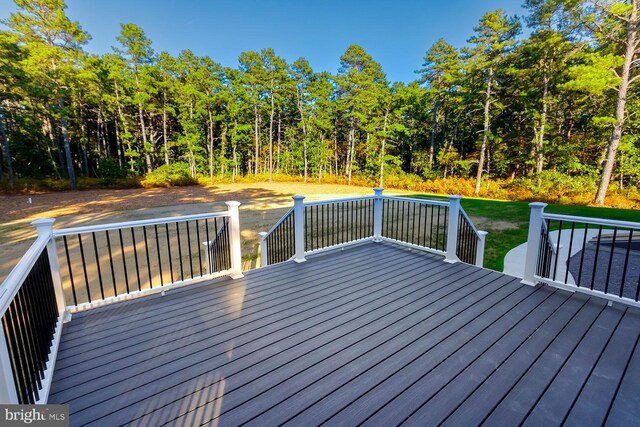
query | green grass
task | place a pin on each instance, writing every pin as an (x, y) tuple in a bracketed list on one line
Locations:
[(507, 222)]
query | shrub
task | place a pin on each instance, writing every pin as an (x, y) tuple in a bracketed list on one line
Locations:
[(173, 175)]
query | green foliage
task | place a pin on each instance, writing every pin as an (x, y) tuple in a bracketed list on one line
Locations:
[(183, 118), (174, 175)]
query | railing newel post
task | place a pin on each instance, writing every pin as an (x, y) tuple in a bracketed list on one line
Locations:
[(452, 229), (298, 217), (264, 261), (377, 214), (234, 239), (482, 238), (533, 243), (44, 227)]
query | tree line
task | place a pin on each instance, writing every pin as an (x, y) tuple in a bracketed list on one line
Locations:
[(561, 99)]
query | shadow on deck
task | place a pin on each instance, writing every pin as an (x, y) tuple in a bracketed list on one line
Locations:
[(373, 333)]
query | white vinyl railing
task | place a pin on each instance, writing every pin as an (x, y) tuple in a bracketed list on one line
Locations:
[(437, 226), (70, 269), (595, 256)]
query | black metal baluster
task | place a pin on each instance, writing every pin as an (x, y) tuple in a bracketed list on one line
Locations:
[(113, 273), (595, 260), (159, 257), (179, 250), (22, 347), (146, 249), (95, 251), (29, 344), (555, 267), (584, 248), (124, 262), (73, 286), (626, 264), (613, 246), (206, 229), (190, 246), (84, 263), (17, 360), (566, 273), (135, 257), (166, 230)]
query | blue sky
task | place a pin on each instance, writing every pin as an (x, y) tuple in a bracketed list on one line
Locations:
[(396, 33)]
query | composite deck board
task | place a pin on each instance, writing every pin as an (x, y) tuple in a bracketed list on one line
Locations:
[(358, 318), (375, 333), (268, 331), (269, 311)]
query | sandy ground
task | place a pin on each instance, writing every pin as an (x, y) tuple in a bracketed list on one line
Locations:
[(262, 205)]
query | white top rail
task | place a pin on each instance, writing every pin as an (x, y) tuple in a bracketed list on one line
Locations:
[(285, 216), (411, 199), (594, 221), (18, 275), (128, 224), (329, 202), (473, 227)]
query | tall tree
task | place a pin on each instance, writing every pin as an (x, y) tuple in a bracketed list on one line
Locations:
[(136, 48), (441, 72), (615, 25), (54, 44), (494, 37), (358, 79)]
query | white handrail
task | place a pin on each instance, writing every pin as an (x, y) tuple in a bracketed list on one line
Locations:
[(412, 199), (17, 276), (145, 222), (594, 221), (473, 227), (332, 201), (280, 221)]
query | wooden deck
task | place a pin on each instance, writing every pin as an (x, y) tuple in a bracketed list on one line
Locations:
[(375, 334)]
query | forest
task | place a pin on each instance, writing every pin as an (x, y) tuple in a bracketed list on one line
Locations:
[(550, 115)]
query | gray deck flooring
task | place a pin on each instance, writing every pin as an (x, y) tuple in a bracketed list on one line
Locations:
[(375, 334)]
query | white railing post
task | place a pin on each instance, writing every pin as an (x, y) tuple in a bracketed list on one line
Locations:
[(482, 238), (263, 249), (207, 257), (377, 214), (44, 226), (8, 393), (298, 216), (234, 240), (452, 231), (533, 243)]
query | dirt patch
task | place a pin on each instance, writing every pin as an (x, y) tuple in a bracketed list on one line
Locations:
[(262, 205), (489, 224)]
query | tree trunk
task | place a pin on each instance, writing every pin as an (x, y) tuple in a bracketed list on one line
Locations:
[(350, 150), (382, 147), (234, 153), (257, 137), (271, 135), (487, 128), (83, 139), (145, 144), (67, 145), (124, 124), (543, 117), (164, 127), (279, 142), (614, 141), (210, 132), (5, 150), (434, 124)]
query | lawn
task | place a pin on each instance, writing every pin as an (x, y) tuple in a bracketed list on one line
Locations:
[(507, 222)]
